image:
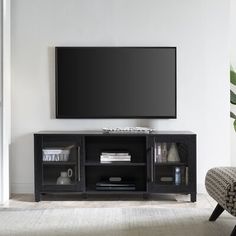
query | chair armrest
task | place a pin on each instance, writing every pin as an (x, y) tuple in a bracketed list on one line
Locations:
[(221, 185)]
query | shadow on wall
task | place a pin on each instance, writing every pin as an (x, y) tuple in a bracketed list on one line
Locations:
[(145, 123), (22, 166), (51, 76)]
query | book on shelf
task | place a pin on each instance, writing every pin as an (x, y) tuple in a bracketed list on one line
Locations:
[(111, 161), (115, 153), (160, 152), (109, 157), (115, 157), (184, 175)]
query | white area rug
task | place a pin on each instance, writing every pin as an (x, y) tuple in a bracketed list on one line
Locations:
[(113, 222)]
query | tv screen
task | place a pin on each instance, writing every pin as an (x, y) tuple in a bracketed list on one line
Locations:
[(115, 82)]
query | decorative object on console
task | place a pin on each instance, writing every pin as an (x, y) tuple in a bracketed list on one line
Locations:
[(160, 152), (115, 179), (166, 179), (164, 152), (173, 155), (177, 176), (142, 130), (65, 176), (115, 184), (56, 154), (158, 157)]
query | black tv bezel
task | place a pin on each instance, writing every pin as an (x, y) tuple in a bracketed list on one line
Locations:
[(58, 116)]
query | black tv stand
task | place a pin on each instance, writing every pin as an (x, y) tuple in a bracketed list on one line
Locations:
[(146, 174)]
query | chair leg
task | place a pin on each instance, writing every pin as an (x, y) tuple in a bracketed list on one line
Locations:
[(233, 232), (216, 213)]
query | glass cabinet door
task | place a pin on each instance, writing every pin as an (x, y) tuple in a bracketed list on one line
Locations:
[(169, 165), (61, 163)]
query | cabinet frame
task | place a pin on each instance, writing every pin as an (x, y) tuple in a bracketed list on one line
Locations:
[(190, 142), (147, 141)]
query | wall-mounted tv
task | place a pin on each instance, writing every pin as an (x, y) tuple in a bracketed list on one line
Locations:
[(115, 82)]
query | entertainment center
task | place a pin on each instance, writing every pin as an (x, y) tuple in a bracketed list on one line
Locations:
[(115, 82), (141, 174)]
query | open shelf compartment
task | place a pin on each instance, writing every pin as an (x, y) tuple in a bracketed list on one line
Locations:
[(166, 175), (135, 146), (129, 174)]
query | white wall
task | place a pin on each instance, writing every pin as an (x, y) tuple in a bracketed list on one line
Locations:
[(233, 63), (5, 97), (199, 29)]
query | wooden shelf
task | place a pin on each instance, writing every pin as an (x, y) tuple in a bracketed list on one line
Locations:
[(171, 164), (54, 183), (172, 188), (115, 164), (61, 163)]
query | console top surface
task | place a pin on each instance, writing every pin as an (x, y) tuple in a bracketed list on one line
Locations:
[(100, 132)]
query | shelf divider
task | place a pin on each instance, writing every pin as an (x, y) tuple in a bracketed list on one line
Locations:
[(61, 163), (90, 163)]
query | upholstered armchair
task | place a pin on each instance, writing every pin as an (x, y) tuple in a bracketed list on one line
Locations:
[(221, 185)]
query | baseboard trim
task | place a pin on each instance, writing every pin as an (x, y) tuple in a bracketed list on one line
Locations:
[(22, 188)]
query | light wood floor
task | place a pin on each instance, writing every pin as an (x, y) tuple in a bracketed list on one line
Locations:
[(113, 217), (160, 201)]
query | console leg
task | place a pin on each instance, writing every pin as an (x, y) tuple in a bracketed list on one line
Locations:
[(37, 197), (233, 233), (193, 197), (216, 213)]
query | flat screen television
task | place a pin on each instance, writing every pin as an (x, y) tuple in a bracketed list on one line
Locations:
[(115, 82)]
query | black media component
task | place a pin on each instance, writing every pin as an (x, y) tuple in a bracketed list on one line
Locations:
[(115, 82), (130, 166)]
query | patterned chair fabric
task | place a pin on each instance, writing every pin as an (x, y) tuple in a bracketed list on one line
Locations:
[(221, 185)]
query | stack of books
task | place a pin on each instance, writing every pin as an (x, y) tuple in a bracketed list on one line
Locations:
[(111, 157)]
